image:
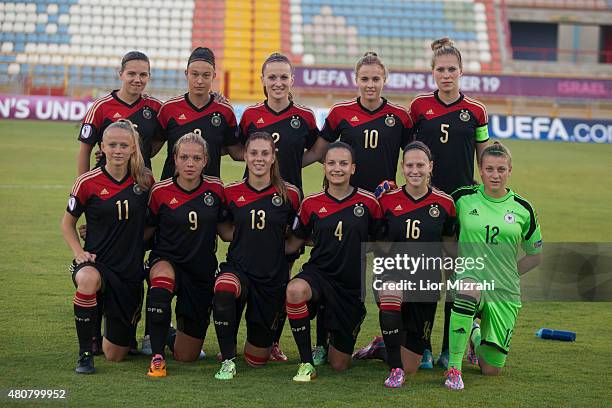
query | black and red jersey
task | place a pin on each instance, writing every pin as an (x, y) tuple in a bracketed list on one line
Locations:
[(376, 136), (261, 219), (337, 229), (451, 131), (215, 122), (293, 130), (426, 219), (115, 212), (421, 223), (186, 222), (109, 109)]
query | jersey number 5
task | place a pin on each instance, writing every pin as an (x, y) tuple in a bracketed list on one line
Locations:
[(444, 130), (258, 219)]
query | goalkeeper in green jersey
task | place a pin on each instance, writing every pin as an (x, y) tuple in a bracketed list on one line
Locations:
[(494, 223)]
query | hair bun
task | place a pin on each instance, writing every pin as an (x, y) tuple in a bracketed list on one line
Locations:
[(441, 42), (370, 53)]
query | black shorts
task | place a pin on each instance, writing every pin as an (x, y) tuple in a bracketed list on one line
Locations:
[(264, 305), (344, 311), (418, 319), (122, 303), (194, 296)]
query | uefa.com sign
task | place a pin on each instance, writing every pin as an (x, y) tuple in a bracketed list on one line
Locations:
[(500, 126)]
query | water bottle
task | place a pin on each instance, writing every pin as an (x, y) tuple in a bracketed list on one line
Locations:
[(550, 334)]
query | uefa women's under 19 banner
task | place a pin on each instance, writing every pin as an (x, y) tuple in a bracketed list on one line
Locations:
[(500, 126)]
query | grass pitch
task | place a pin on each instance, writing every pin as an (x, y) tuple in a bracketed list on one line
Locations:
[(570, 185)]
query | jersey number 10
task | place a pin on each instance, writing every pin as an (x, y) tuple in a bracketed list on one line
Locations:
[(370, 139)]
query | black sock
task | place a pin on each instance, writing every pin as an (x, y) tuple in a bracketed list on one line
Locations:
[(299, 320), (224, 315), (391, 327), (159, 315), (86, 319)]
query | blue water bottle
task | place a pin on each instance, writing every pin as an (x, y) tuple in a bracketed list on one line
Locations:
[(550, 334)]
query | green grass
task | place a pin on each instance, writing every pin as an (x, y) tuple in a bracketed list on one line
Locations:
[(569, 184)]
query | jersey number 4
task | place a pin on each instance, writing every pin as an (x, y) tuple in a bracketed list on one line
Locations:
[(338, 231)]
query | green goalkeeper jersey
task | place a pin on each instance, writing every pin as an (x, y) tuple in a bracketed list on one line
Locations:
[(492, 229)]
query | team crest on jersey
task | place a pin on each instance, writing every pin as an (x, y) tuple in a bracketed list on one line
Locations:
[(209, 200), (86, 131), (295, 122), (216, 120), (277, 201), (510, 218), (72, 203), (137, 189), (358, 210), (147, 113), (464, 115), (390, 120), (434, 211)]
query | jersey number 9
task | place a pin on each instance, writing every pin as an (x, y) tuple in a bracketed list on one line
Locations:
[(193, 220)]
